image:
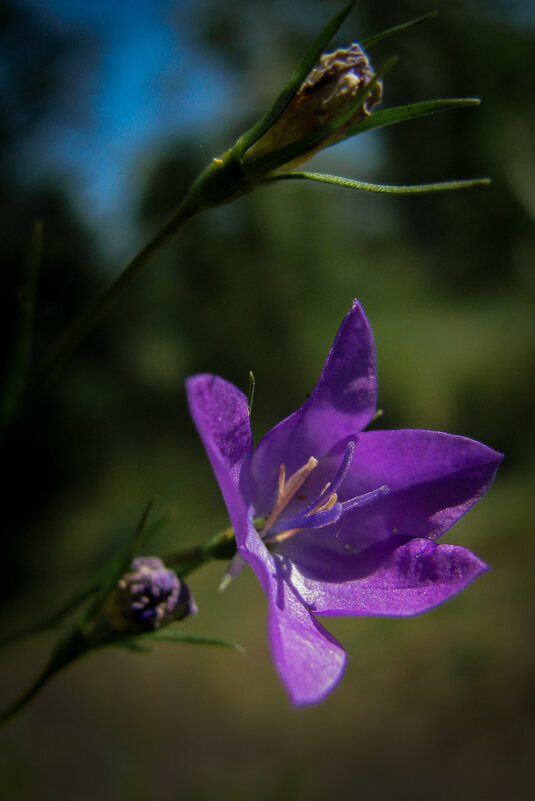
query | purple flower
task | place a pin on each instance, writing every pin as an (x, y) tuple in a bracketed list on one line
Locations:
[(334, 520)]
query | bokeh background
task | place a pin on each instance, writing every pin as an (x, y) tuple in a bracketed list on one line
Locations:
[(108, 110)]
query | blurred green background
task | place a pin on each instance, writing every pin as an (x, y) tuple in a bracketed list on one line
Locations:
[(440, 706)]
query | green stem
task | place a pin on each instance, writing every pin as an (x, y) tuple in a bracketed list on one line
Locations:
[(96, 310), (223, 180), (67, 651), (220, 546), (52, 621), (78, 640)]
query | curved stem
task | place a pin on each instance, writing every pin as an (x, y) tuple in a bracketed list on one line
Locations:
[(96, 310), (220, 546), (50, 622), (76, 642), (66, 652)]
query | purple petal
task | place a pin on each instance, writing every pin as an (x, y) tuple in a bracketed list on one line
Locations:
[(342, 403), (397, 578), (220, 413), (309, 661), (433, 480)]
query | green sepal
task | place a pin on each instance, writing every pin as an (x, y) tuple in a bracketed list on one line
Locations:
[(287, 154), (391, 116), (282, 102), (404, 26), (170, 634), (351, 183)]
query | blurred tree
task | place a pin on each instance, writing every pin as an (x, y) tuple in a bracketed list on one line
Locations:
[(43, 449), (470, 49)]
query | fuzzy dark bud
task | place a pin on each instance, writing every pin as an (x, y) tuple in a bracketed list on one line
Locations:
[(146, 598)]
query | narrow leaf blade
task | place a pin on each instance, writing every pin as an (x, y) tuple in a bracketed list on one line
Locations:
[(118, 564), (282, 102), (391, 116), (133, 645), (176, 635), (386, 189), (404, 26), (250, 394)]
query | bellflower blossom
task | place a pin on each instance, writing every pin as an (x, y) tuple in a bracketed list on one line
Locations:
[(335, 520)]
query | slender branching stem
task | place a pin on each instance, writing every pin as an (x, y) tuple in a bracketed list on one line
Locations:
[(97, 309)]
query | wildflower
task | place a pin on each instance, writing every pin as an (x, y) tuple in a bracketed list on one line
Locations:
[(334, 520), (330, 97), (147, 597)]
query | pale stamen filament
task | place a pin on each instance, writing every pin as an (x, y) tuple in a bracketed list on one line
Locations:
[(325, 510), (282, 479), (328, 504), (287, 490), (284, 535)]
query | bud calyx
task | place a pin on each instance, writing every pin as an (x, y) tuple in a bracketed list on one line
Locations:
[(325, 93)]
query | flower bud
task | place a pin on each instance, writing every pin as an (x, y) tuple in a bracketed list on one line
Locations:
[(327, 90), (145, 598)]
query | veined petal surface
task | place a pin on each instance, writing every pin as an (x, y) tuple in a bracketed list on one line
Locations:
[(221, 415), (309, 660), (395, 577), (343, 402), (433, 480)]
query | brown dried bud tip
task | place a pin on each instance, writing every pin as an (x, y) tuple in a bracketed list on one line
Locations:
[(324, 94)]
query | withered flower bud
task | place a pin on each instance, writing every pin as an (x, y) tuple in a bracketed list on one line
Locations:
[(327, 90), (145, 598)]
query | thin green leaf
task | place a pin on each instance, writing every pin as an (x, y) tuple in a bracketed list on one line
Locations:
[(116, 563), (285, 155), (250, 394), (102, 575), (140, 536), (282, 102), (133, 645), (52, 620), (176, 635), (391, 116), (119, 564), (371, 40), (157, 526), (69, 648), (350, 183)]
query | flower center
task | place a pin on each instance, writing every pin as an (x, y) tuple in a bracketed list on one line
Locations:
[(322, 511)]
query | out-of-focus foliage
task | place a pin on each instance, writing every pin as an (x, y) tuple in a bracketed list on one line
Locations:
[(52, 442), (448, 284)]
